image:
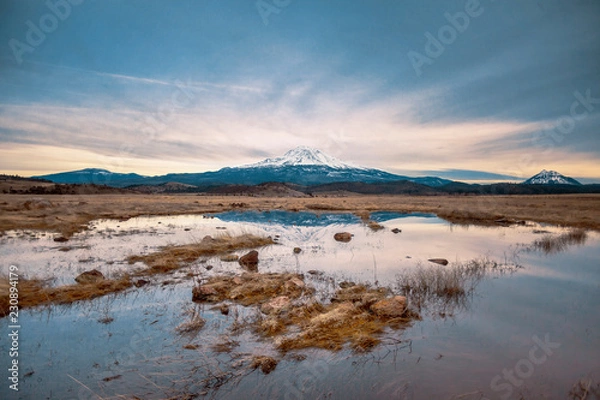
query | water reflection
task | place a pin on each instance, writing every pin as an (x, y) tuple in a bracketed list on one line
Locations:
[(552, 244), (149, 335)]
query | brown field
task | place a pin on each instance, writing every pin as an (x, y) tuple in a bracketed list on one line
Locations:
[(67, 214)]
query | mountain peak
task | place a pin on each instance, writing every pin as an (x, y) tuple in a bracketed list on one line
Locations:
[(550, 178), (303, 155)]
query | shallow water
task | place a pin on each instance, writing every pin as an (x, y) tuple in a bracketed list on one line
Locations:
[(553, 297)]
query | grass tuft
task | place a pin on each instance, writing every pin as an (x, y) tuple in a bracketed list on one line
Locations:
[(35, 292), (555, 244)]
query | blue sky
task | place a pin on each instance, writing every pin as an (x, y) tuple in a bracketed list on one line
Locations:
[(465, 89)]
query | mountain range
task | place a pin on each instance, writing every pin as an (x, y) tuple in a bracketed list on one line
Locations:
[(300, 166), (305, 170)]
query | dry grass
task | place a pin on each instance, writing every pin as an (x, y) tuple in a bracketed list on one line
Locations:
[(70, 214), (294, 320), (251, 288), (550, 244), (170, 258), (225, 345), (585, 389), (374, 226), (331, 328), (350, 318), (192, 325), (35, 293), (446, 287)]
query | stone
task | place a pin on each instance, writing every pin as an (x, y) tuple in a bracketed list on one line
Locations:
[(92, 276), (237, 280), (276, 305), (61, 239), (396, 230), (347, 284), (390, 308), (441, 261), (294, 283), (224, 308), (249, 261), (343, 237), (297, 250), (266, 364), (204, 293), (141, 282)]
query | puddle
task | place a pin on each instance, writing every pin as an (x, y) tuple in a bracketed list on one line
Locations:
[(74, 355)]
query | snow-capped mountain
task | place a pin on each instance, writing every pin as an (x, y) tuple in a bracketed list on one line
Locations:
[(550, 178), (301, 166), (303, 155)]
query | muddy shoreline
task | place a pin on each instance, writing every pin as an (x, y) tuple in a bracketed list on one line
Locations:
[(68, 214)]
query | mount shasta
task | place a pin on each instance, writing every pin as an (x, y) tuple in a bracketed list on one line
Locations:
[(300, 166), (307, 168)]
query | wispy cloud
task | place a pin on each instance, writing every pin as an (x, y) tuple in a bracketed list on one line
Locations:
[(210, 86)]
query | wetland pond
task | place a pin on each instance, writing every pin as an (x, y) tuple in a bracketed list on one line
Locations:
[(528, 327)]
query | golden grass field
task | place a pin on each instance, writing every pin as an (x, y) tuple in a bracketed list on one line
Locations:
[(67, 214)]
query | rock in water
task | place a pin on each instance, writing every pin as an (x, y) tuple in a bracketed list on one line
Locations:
[(92, 276), (266, 364), (343, 236), (441, 261), (250, 261), (391, 308), (276, 305), (205, 293)]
